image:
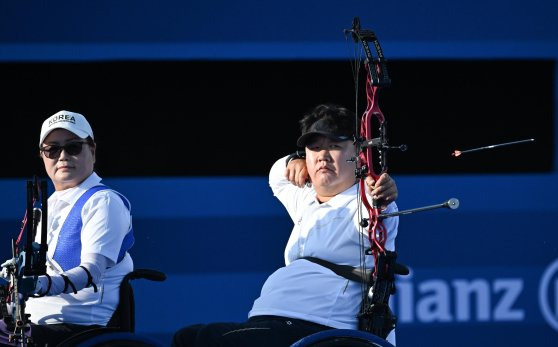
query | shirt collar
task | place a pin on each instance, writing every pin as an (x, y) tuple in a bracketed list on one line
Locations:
[(340, 199), (70, 195)]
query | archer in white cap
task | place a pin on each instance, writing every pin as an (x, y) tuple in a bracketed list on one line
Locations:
[(89, 234), (71, 121), (63, 137)]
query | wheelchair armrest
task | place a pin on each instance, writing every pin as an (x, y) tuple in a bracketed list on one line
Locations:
[(150, 274)]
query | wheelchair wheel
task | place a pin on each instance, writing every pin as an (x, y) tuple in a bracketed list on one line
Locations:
[(342, 338)]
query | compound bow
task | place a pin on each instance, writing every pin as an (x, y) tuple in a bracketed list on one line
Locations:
[(375, 315), (26, 264)]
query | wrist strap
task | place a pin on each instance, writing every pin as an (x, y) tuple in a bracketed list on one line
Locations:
[(40, 295), (295, 155)]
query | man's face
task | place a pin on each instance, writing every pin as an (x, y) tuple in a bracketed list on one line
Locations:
[(67, 170), (329, 166)]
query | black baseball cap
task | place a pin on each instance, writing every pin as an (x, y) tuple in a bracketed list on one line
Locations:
[(334, 127)]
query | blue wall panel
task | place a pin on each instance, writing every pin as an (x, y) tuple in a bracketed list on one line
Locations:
[(290, 29), (485, 274), (489, 267)]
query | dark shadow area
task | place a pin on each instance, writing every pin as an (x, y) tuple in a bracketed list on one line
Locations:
[(229, 118)]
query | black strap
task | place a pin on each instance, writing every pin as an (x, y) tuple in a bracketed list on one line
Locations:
[(295, 155), (68, 282), (89, 279), (353, 273), (346, 271)]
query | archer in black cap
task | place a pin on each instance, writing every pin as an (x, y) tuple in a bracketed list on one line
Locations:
[(320, 191), (330, 120)]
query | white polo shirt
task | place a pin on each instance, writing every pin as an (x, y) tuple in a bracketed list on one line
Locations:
[(106, 221), (330, 230)]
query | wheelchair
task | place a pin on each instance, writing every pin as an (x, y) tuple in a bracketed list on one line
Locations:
[(121, 327), (342, 338)]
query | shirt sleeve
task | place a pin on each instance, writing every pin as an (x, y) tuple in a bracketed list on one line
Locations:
[(286, 192), (106, 221)]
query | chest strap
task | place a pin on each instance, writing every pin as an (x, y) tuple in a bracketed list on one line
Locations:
[(353, 273), (346, 271), (68, 248)]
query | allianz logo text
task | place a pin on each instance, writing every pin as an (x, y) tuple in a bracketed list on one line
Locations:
[(479, 299), (548, 294)]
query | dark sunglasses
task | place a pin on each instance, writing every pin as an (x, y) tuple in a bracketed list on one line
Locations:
[(71, 148)]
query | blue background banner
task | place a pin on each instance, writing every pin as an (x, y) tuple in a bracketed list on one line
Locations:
[(290, 29), (489, 268), (485, 274)]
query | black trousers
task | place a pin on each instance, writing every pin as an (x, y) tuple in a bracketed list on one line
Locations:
[(258, 331), (52, 334)]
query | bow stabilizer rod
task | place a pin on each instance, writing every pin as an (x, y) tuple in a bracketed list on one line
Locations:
[(452, 204)]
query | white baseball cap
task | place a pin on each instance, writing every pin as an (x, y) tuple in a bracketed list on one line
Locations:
[(71, 121)]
